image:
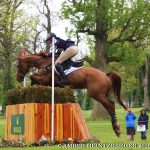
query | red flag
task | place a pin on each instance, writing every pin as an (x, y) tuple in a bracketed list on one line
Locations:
[(24, 53)]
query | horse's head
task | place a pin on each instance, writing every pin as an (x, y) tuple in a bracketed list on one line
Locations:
[(22, 68), (38, 61)]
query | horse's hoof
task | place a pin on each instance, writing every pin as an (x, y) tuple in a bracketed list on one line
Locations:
[(116, 128), (118, 133)]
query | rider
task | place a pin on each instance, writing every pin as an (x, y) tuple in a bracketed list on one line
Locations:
[(70, 50)]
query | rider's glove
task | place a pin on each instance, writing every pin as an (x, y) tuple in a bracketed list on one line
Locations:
[(49, 54)]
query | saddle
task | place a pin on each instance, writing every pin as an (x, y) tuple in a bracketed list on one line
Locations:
[(66, 64), (69, 63)]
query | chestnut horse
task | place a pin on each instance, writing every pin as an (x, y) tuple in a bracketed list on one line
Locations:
[(97, 83)]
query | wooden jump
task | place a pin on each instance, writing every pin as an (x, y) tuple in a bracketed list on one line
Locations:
[(68, 122)]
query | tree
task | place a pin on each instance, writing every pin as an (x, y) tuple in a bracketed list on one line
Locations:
[(146, 83), (7, 31), (47, 18), (14, 28), (113, 23), (44, 10)]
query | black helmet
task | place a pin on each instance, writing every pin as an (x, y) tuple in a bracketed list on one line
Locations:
[(50, 35)]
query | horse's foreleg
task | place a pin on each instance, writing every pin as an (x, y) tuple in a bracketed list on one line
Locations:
[(41, 79), (34, 79), (34, 82), (110, 107)]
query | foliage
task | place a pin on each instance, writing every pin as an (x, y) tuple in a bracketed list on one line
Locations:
[(38, 94), (79, 95), (15, 26), (88, 103), (123, 26), (124, 21), (83, 99)]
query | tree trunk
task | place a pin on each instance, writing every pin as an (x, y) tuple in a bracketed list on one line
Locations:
[(46, 11), (48, 18), (8, 77), (145, 85), (100, 51), (98, 110)]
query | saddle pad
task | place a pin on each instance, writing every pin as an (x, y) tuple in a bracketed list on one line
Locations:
[(72, 69)]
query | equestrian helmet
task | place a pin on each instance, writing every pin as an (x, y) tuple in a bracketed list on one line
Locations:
[(50, 36)]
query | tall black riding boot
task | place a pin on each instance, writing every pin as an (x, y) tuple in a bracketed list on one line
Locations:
[(64, 80)]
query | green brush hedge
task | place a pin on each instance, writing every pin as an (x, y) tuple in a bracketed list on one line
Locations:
[(39, 94)]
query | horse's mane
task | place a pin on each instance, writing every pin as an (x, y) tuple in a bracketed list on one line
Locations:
[(41, 53)]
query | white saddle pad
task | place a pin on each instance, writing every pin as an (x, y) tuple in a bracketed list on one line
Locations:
[(72, 69)]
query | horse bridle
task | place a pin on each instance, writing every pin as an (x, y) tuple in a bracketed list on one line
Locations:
[(23, 71)]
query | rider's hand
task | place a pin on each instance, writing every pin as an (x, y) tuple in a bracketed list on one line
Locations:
[(48, 54)]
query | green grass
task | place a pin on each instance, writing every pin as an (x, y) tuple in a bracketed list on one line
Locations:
[(101, 129), (2, 126)]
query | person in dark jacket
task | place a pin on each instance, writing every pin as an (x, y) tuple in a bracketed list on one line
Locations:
[(130, 125), (70, 50), (143, 120)]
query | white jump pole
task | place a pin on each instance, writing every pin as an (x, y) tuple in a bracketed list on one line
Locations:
[(53, 66)]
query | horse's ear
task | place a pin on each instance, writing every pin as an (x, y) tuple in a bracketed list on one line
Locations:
[(18, 58)]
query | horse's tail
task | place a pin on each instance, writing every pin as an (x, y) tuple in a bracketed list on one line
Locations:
[(116, 85)]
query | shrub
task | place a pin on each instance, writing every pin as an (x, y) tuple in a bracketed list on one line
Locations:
[(38, 94)]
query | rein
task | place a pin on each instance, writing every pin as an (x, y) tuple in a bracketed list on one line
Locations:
[(23, 71)]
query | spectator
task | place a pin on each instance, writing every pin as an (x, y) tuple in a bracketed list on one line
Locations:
[(130, 125), (143, 120)]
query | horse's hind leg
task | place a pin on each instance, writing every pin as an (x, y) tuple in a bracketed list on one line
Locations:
[(110, 107)]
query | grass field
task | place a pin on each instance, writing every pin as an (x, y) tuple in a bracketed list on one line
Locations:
[(101, 129)]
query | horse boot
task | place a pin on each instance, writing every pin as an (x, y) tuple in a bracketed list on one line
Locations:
[(115, 125), (64, 80)]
